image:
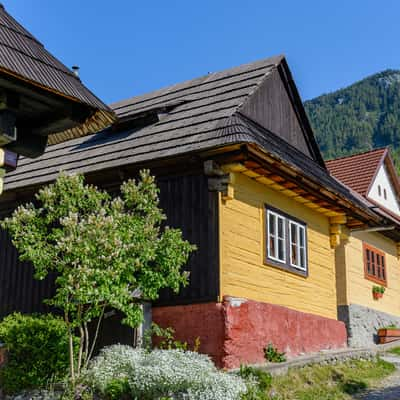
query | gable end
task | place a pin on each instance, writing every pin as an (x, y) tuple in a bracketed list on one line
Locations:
[(276, 106)]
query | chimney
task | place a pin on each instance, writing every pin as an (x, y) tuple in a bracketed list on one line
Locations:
[(75, 70)]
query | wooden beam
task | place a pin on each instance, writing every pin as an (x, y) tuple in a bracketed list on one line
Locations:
[(289, 185), (276, 178), (307, 185)]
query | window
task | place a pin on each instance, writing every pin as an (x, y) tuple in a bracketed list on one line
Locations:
[(286, 242), (276, 237), (297, 234), (379, 191), (374, 264), (384, 194)]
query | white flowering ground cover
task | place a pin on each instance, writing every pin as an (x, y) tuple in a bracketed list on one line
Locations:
[(166, 374)]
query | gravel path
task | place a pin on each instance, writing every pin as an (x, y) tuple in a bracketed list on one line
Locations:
[(389, 388)]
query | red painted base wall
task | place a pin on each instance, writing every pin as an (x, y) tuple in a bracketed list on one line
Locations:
[(236, 331)]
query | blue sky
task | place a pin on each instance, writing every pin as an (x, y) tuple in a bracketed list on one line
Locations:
[(128, 47)]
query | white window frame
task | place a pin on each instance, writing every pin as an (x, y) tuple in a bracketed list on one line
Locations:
[(300, 229), (276, 238), (286, 240)]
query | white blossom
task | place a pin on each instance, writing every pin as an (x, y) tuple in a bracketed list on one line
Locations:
[(175, 373)]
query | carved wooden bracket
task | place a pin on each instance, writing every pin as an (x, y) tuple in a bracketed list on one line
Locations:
[(219, 180), (335, 230)]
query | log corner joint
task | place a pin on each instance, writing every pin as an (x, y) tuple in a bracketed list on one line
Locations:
[(219, 180)]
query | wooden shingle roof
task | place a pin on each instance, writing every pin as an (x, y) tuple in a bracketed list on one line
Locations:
[(357, 171), (191, 117), (23, 57), (201, 118)]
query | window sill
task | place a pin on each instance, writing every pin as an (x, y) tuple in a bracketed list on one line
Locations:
[(284, 267), (375, 280)]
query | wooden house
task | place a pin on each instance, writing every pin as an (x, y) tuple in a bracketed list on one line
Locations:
[(41, 100), (241, 174), (369, 257)]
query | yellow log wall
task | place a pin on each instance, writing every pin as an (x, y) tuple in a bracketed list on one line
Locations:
[(242, 243), (359, 289)]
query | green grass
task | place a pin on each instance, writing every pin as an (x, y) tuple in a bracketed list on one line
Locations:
[(395, 350), (328, 382)]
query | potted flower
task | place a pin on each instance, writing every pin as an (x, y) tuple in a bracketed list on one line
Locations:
[(377, 292), (388, 334)]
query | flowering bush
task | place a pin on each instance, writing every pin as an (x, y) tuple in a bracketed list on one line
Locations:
[(171, 374), (107, 252)]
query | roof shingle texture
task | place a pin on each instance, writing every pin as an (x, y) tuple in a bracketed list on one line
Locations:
[(202, 122), (22, 55), (204, 117), (357, 171)]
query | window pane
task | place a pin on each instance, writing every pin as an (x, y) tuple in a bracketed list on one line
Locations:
[(272, 250), (281, 227), (373, 263), (293, 254), (302, 234), (383, 268), (378, 266), (281, 249), (293, 244), (302, 237), (368, 257), (303, 258), (271, 235), (293, 233), (271, 219)]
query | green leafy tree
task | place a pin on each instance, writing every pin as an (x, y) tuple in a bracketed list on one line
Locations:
[(106, 251)]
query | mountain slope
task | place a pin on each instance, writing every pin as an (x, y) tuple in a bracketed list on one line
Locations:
[(360, 117)]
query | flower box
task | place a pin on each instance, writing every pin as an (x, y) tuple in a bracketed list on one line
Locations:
[(377, 295), (387, 335)]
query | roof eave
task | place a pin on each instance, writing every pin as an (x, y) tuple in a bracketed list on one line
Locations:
[(101, 117), (357, 209)]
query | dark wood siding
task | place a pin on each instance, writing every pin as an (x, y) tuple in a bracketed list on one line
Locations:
[(271, 107), (188, 205), (191, 207), (19, 291)]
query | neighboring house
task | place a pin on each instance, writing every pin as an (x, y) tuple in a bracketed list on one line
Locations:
[(370, 256), (241, 174)]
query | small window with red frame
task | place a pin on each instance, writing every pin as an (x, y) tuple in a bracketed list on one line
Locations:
[(374, 264)]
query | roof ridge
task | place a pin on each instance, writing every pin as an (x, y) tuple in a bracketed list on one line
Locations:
[(206, 78), (358, 154)]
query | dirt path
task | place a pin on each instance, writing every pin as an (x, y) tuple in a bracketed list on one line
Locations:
[(389, 388)]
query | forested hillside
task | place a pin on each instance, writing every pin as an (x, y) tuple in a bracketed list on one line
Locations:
[(360, 117)]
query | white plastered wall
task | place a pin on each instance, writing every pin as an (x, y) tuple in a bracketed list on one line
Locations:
[(382, 185)]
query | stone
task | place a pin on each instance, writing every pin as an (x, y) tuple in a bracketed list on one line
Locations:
[(362, 323)]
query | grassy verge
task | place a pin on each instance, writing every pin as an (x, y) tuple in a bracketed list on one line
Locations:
[(395, 350), (327, 382)]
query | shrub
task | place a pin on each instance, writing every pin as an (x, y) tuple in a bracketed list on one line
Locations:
[(38, 351), (165, 338), (117, 389), (272, 354), (257, 381), (161, 373)]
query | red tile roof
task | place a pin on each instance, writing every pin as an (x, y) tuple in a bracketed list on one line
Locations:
[(357, 171)]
